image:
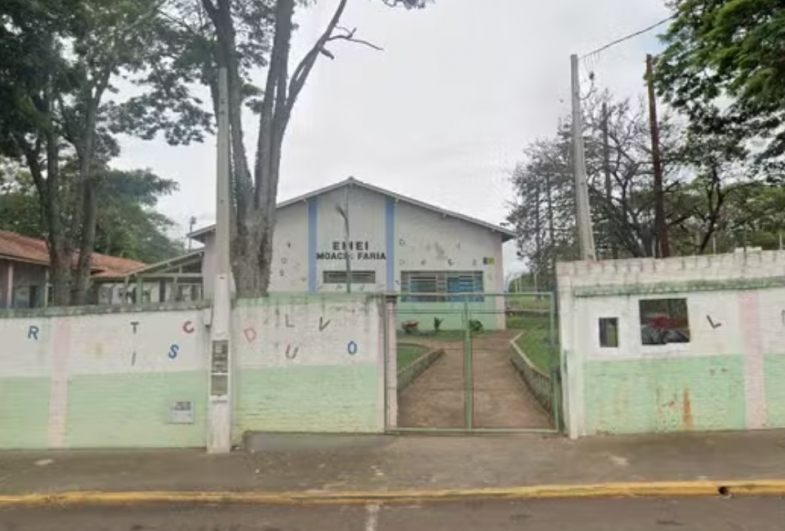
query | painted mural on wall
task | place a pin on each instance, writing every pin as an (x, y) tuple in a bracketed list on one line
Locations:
[(311, 333)]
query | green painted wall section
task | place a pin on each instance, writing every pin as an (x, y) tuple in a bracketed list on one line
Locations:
[(132, 410), (451, 312), (774, 371), (24, 412), (332, 399), (664, 395)]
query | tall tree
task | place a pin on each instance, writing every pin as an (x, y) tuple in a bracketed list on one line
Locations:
[(60, 61), (723, 69), (31, 66), (127, 222), (255, 192)]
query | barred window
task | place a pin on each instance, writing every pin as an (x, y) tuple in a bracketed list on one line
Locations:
[(358, 277), (441, 286)]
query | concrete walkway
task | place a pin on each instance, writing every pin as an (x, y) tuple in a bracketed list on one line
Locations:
[(501, 400), (381, 463)]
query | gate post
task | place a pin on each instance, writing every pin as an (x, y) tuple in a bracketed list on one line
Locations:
[(390, 361), (467, 367)]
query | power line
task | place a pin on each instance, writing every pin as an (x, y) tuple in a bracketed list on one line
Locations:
[(628, 37)]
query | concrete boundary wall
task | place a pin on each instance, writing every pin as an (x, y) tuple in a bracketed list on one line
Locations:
[(108, 377), (723, 378), (127, 376), (309, 364)]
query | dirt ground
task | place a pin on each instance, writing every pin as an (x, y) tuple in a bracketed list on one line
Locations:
[(501, 399)]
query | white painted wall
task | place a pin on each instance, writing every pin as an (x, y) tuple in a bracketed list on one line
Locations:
[(736, 306), (109, 361), (290, 268), (366, 224), (309, 364), (108, 377), (423, 241)]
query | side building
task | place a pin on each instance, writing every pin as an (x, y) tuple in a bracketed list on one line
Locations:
[(435, 259)]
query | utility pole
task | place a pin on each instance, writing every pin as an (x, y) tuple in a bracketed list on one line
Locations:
[(219, 436), (656, 158), (585, 233), (606, 166)]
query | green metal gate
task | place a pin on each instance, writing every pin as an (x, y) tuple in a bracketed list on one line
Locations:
[(473, 362)]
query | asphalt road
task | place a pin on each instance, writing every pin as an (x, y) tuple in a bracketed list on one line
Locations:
[(713, 514)]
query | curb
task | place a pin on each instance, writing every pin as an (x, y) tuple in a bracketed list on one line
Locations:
[(666, 489)]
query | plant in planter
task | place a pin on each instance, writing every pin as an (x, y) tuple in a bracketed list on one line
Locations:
[(475, 326), (410, 327)]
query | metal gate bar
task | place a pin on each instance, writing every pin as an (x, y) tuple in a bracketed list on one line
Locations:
[(468, 371)]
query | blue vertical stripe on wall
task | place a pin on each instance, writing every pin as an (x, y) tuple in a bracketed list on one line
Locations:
[(313, 210), (389, 219)]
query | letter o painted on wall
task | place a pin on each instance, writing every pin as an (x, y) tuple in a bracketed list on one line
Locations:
[(351, 348)]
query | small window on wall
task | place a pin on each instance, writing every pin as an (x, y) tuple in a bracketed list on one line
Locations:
[(609, 332), (664, 321), (358, 277)]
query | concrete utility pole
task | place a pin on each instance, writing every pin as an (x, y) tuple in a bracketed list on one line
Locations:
[(585, 232), (656, 159), (606, 166), (219, 436)]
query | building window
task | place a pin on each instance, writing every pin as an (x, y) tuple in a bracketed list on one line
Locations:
[(358, 277), (664, 321), (609, 332), (441, 286)]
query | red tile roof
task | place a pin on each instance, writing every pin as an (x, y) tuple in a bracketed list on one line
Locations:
[(20, 248)]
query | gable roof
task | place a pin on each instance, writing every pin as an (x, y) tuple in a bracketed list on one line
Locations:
[(507, 234), (18, 248)]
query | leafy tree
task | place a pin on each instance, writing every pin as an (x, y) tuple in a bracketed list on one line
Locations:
[(61, 59), (255, 193), (723, 69), (127, 223)]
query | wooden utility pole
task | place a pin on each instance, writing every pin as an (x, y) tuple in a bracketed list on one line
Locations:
[(606, 166), (660, 227)]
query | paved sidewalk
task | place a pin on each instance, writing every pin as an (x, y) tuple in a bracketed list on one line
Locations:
[(380, 463)]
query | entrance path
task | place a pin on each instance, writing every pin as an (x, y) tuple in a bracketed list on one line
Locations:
[(501, 399)]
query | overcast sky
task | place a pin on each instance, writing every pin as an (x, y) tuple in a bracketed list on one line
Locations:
[(441, 114)]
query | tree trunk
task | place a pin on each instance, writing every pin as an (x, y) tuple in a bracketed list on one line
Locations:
[(48, 189), (84, 262)]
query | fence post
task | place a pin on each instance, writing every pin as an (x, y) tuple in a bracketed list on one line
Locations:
[(467, 366)]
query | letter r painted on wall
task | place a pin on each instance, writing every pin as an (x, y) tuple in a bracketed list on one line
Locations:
[(32, 332)]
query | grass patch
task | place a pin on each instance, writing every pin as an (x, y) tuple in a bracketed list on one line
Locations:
[(535, 341), (408, 353), (528, 302)]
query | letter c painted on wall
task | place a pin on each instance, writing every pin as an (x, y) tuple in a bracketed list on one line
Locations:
[(188, 327)]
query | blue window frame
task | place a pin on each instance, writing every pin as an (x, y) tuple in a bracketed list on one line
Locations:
[(441, 286)]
